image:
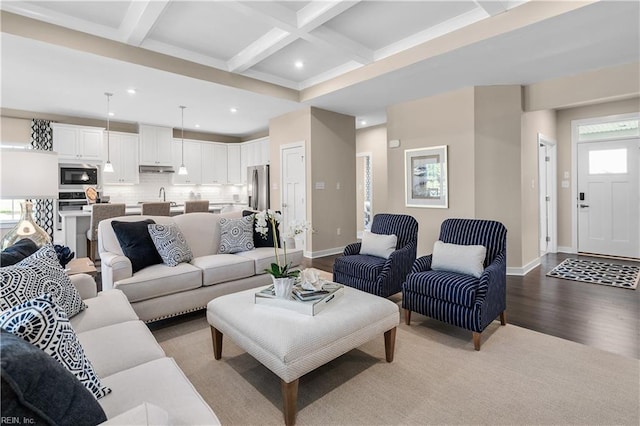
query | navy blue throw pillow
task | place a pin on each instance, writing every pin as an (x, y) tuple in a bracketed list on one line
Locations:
[(258, 239), (21, 249), (38, 388), (136, 243)]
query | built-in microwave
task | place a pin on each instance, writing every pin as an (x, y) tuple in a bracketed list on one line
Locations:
[(75, 176)]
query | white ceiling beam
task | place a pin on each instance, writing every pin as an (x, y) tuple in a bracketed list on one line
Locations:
[(260, 49), (317, 13), (299, 25), (140, 19), (492, 7)]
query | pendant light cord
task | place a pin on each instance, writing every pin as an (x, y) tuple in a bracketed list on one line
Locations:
[(182, 107), (108, 140)]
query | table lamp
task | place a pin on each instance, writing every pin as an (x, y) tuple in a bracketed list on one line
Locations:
[(27, 174)]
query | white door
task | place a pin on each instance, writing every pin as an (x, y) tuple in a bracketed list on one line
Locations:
[(608, 198), (547, 164), (293, 187)]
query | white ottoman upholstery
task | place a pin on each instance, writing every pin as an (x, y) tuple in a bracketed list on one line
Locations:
[(292, 344)]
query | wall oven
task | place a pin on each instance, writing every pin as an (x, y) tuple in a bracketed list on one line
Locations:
[(77, 176), (69, 200)]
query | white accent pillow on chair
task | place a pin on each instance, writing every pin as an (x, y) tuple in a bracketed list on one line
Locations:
[(379, 245), (467, 260)]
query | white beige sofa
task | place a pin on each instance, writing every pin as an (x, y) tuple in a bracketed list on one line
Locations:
[(146, 386), (161, 291)]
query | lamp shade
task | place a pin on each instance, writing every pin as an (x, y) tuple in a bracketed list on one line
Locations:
[(28, 173)]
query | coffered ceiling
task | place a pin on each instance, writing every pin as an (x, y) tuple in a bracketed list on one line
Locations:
[(266, 58)]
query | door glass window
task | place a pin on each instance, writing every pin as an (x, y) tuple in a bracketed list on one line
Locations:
[(607, 161), (609, 130)]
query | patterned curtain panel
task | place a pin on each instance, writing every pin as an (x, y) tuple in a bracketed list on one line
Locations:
[(42, 138)]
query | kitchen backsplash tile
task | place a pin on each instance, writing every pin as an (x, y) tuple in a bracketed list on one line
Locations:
[(150, 184)]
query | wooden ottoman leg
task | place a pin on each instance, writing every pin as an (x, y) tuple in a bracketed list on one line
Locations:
[(216, 338), (407, 316), (503, 318), (290, 401), (390, 343)]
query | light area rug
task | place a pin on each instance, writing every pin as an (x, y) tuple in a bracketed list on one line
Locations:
[(519, 377), (589, 271)]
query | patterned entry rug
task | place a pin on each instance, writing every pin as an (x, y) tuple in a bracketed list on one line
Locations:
[(616, 275)]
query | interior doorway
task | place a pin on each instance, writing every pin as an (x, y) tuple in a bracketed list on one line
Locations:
[(608, 186), (547, 184), (293, 184), (364, 192)]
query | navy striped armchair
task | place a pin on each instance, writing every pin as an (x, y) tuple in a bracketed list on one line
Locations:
[(462, 300), (377, 275)]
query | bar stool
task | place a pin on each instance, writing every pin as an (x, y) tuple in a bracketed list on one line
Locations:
[(100, 212), (156, 209), (196, 206)]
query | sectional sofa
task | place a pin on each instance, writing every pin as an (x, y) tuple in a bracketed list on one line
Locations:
[(146, 386), (160, 291)]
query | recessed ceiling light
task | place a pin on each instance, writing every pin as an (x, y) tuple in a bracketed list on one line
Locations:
[(197, 126), (233, 110), (131, 91), (299, 64), (363, 122), (111, 114)]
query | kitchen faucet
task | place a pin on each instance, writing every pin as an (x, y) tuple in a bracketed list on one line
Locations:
[(162, 192)]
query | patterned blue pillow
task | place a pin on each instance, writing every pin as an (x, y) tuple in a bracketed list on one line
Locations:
[(170, 243), (38, 274), (40, 322), (236, 235)]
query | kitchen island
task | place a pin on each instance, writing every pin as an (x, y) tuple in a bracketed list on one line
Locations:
[(75, 223)]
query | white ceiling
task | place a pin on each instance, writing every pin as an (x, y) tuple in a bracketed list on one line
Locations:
[(263, 40)]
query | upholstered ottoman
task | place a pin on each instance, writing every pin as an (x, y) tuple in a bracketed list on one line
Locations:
[(292, 344)]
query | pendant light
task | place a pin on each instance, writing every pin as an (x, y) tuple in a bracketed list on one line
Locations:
[(108, 167), (183, 169)]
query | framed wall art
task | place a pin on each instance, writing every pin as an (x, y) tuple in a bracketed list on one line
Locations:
[(425, 177)]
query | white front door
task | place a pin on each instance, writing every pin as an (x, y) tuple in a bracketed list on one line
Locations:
[(609, 198), (293, 187)]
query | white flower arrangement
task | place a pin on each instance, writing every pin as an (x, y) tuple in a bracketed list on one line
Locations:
[(297, 228), (270, 219)]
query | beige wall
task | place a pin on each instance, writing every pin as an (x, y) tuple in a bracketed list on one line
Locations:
[(603, 85), (330, 152), (564, 117), (446, 119), (333, 161), (497, 136), (15, 130), (543, 122), (374, 140)]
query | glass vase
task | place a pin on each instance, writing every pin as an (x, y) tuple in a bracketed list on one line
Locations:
[(26, 228)]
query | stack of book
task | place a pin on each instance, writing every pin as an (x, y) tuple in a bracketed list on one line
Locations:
[(308, 302)]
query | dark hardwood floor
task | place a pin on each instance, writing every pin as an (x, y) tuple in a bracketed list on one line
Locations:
[(595, 315)]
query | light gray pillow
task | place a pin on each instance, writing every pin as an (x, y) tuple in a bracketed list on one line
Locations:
[(236, 235), (379, 245), (467, 260), (170, 243)]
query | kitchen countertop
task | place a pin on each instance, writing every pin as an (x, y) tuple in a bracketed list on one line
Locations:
[(133, 209)]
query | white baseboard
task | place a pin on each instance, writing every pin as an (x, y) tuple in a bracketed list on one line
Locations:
[(569, 250), (524, 270), (322, 253)]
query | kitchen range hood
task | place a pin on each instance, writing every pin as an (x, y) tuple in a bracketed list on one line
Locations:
[(156, 169)]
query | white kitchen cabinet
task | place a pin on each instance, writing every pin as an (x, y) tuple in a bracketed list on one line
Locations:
[(192, 161), (124, 158), (77, 143), (214, 163), (234, 168), (253, 153), (155, 145)]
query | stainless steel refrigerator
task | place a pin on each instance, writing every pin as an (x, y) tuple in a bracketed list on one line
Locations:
[(258, 187)]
